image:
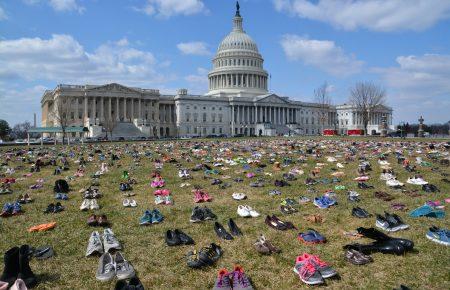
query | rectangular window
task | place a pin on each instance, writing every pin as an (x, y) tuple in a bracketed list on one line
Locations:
[(204, 117), (187, 117), (213, 118), (214, 130), (220, 130), (195, 117), (220, 118)]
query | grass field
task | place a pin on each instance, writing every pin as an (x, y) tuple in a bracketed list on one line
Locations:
[(161, 267)]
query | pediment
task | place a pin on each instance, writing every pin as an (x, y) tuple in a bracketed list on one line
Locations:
[(114, 87), (273, 99)]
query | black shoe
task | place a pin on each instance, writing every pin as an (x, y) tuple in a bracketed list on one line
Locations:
[(184, 238), (136, 283), (121, 285), (208, 214), (25, 272), (384, 247), (360, 212), (172, 239), (222, 232), (210, 254), (58, 207), (50, 208), (375, 234), (362, 185), (235, 231), (11, 270), (197, 215), (395, 220)]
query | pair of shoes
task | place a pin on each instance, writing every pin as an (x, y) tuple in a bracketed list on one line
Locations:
[(216, 181), (61, 196), (362, 185), (440, 236), (360, 212), (24, 198), (289, 201), (222, 232), (96, 246), (275, 223), (201, 214), (54, 208), (200, 196), (383, 196), (390, 222), (247, 211), (110, 266), (274, 192), (91, 204), (303, 199), (311, 270), (288, 209), (315, 218), (281, 183), (164, 199), (129, 203), (264, 246), (133, 284), (207, 256), (163, 192), (235, 280), (10, 209), (17, 266), (177, 237), (97, 220), (324, 202), (383, 243), (311, 236), (238, 196), (151, 217), (124, 186), (357, 258)]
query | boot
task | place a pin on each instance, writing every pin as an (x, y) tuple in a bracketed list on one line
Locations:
[(384, 247), (380, 236), (11, 269), (25, 272)]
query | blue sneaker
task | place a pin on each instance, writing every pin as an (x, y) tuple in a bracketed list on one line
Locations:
[(311, 237), (58, 195), (319, 202), (64, 196), (157, 217), (440, 236), (146, 219), (17, 208), (7, 210)]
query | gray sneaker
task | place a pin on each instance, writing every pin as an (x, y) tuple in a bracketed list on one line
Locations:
[(223, 281), (124, 270), (95, 244), (110, 241), (106, 270)]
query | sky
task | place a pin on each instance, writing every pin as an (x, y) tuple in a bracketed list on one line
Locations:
[(400, 45)]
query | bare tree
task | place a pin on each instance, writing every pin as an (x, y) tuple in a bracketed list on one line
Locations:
[(366, 97), (322, 97), (61, 114), (109, 124)]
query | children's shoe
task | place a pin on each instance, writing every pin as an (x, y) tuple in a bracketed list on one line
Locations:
[(157, 217), (325, 270), (206, 197), (168, 200), (159, 199), (307, 272), (223, 281), (17, 209), (146, 219), (7, 210)]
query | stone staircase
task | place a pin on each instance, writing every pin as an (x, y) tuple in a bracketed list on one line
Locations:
[(125, 129)]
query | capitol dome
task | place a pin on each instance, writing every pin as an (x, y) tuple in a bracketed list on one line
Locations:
[(237, 65)]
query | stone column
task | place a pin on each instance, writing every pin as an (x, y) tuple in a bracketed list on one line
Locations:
[(117, 110), (232, 120), (76, 111), (85, 107), (94, 109), (102, 110), (109, 109), (139, 109)]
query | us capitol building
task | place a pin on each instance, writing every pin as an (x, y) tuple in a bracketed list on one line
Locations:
[(238, 103)]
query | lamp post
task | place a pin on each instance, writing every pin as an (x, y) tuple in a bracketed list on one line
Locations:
[(420, 133)]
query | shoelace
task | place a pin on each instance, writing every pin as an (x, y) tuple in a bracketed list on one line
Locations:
[(319, 262), (109, 268), (307, 270)]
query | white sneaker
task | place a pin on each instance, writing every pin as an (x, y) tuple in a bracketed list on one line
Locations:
[(126, 202), (94, 204), (133, 203), (243, 212), (253, 213), (85, 204), (238, 196), (339, 165)]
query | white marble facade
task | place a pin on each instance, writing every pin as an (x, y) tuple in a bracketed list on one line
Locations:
[(238, 102)]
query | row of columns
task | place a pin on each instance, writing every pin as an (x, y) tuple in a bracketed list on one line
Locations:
[(238, 80), (375, 118), (125, 109), (263, 114)]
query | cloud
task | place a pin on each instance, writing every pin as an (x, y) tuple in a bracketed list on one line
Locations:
[(198, 83), (378, 15), (168, 8), (419, 85), (63, 59), (3, 15), (20, 103), (194, 48), (322, 54), (60, 5)]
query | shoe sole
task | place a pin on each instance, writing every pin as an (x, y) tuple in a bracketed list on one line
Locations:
[(437, 241), (308, 282)]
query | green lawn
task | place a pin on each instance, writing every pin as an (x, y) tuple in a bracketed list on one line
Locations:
[(162, 267)]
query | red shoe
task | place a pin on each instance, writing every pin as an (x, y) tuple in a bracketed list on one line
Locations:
[(197, 197), (206, 196), (158, 192), (165, 192)]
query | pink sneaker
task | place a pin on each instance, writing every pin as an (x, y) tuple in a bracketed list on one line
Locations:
[(206, 196), (158, 192), (165, 192), (197, 197)]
